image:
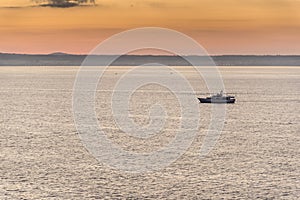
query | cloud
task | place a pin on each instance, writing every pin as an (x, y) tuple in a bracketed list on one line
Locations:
[(63, 3), (53, 4), (12, 7)]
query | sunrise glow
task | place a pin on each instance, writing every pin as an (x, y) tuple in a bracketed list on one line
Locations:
[(222, 27)]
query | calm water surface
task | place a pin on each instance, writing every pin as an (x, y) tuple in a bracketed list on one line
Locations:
[(257, 154)]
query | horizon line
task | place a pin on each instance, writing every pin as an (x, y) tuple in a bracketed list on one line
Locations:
[(77, 54)]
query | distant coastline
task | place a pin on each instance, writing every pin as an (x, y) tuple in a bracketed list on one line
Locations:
[(62, 59)]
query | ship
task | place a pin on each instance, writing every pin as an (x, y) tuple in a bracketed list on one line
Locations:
[(218, 98)]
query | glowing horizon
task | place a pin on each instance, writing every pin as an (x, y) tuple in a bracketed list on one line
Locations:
[(225, 27)]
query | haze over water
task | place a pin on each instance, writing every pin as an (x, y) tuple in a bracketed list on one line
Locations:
[(257, 154)]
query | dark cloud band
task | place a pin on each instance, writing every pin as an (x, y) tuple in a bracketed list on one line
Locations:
[(63, 3)]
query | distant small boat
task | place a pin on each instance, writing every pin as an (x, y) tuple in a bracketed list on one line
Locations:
[(218, 98)]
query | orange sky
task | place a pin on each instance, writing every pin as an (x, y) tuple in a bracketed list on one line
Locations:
[(221, 26)]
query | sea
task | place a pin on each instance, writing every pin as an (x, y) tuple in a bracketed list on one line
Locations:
[(152, 133)]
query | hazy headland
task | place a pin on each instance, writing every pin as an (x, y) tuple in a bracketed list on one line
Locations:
[(61, 59)]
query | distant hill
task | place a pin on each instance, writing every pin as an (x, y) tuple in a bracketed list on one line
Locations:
[(58, 54), (62, 59)]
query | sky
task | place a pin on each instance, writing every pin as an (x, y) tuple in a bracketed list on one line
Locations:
[(221, 26)]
